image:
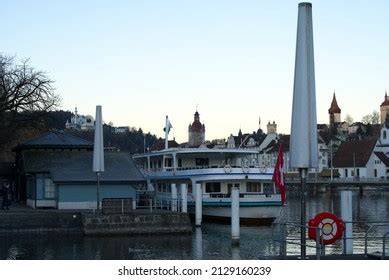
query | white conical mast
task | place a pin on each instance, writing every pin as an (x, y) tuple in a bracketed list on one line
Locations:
[(303, 139)]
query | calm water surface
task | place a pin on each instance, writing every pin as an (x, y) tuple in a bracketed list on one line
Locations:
[(212, 241)]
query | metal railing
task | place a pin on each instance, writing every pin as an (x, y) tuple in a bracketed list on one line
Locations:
[(369, 237), (287, 227), (319, 246), (117, 205)]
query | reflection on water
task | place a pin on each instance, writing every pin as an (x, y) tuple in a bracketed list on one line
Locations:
[(209, 242)]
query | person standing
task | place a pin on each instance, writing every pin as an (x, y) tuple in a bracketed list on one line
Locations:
[(6, 202)]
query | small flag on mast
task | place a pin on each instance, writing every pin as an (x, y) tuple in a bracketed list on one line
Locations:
[(278, 175)]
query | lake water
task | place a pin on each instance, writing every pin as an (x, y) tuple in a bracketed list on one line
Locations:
[(212, 241)]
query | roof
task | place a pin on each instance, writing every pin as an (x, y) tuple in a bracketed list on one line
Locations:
[(55, 139), (76, 166), (386, 100), (159, 144), (382, 157), (196, 125), (362, 150), (334, 109)]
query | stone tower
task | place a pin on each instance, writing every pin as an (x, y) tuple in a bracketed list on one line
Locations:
[(196, 132), (334, 112), (384, 108)]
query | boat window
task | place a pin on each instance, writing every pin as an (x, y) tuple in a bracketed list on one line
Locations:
[(268, 188), (189, 188), (202, 161), (212, 187), (253, 187), (229, 187), (180, 162), (168, 162)]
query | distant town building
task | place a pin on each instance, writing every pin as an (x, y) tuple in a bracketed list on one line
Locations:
[(121, 129), (80, 122), (384, 108), (334, 111), (271, 128), (196, 132)]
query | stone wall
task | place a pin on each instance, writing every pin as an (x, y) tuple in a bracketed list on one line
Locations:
[(148, 223), (40, 222)]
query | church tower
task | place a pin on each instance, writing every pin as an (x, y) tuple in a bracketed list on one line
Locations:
[(196, 132), (384, 108), (334, 112)]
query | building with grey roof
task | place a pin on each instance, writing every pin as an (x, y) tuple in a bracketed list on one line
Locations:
[(55, 170)]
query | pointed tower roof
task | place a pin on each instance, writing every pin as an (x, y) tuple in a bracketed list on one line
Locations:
[(334, 109), (386, 101)]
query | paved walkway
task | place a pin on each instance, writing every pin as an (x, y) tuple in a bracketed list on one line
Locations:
[(17, 207)]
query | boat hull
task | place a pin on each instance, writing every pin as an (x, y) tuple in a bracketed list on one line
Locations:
[(249, 214)]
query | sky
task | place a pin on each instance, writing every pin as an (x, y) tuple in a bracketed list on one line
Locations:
[(143, 60)]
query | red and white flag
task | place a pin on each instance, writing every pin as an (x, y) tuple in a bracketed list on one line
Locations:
[(278, 175)]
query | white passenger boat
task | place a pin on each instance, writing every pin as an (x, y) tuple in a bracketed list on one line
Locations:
[(216, 171)]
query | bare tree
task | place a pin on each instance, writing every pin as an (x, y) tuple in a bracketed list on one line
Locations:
[(24, 89), (26, 95), (349, 119), (373, 118)]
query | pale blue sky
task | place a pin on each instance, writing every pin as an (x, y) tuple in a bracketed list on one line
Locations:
[(144, 59)]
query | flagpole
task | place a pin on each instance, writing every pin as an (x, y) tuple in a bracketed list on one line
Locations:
[(166, 133)]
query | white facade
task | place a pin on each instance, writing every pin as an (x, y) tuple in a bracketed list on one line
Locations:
[(80, 122)]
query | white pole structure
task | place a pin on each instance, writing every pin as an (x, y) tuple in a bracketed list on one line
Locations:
[(235, 253), (199, 244), (235, 222), (199, 203), (303, 139), (346, 210), (184, 198), (174, 196), (98, 152)]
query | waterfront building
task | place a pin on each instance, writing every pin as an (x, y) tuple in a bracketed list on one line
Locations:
[(55, 171)]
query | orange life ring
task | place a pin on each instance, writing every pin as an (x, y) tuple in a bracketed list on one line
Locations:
[(331, 227)]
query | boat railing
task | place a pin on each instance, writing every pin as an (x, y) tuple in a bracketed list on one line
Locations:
[(214, 166), (241, 195)]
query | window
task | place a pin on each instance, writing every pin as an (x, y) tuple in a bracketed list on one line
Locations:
[(384, 134), (202, 161), (253, 187), (229, 187), (346, 173), (168, 162), (180, 162), (268, 188), (375, 172), (49, 188), (212, 187), (357, 172)]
